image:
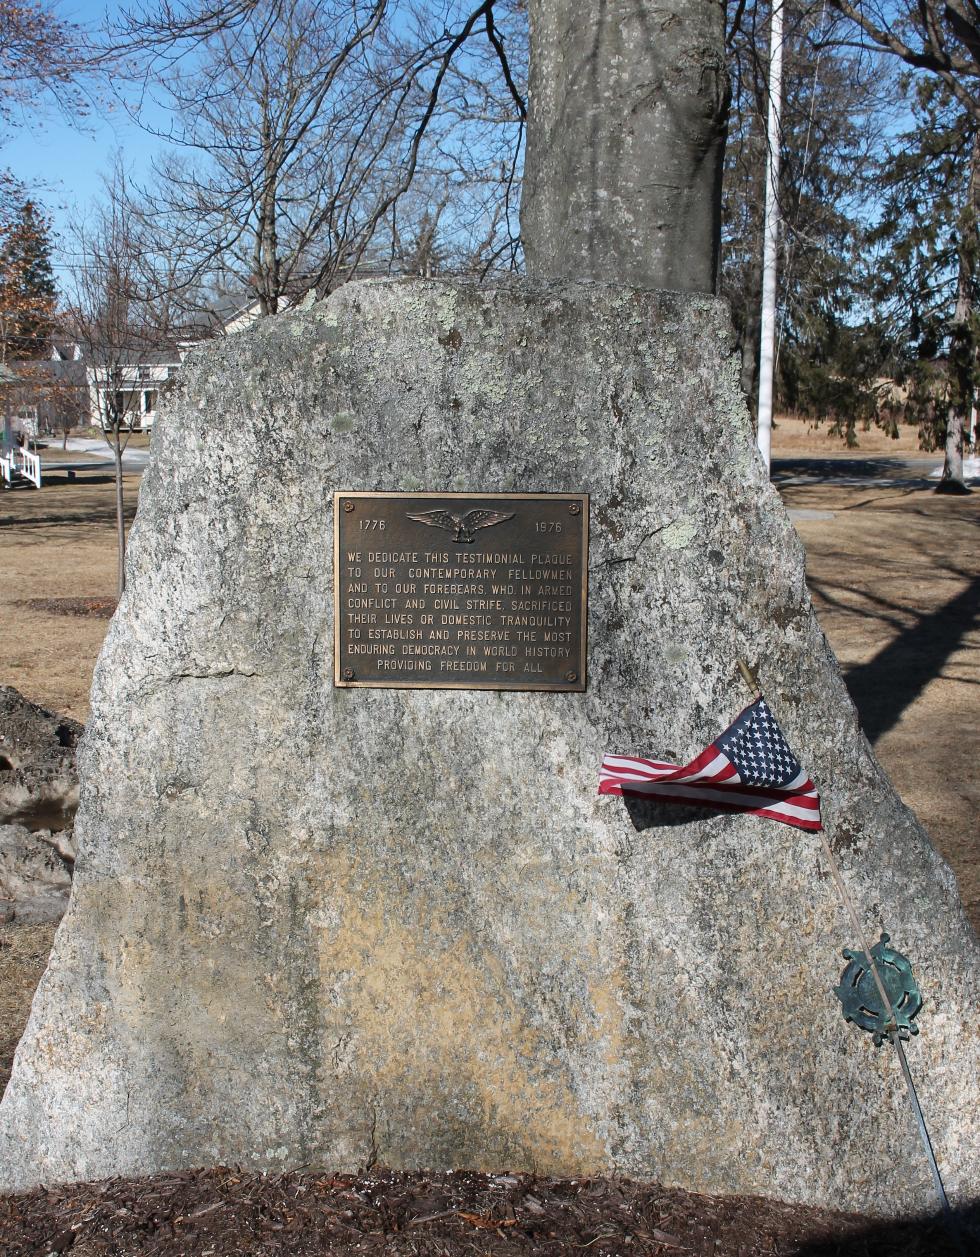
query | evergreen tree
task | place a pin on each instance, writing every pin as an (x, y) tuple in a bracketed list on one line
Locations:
[(831, 120), (27, 286), (927, 274)]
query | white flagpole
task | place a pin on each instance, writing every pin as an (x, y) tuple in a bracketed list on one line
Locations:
[(770, 234)]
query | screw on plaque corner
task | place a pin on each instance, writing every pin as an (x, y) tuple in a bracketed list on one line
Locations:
[(348, 674), (571, 676), (574, 508), (348, 507)]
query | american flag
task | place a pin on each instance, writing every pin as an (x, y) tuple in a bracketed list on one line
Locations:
[(749, 768)]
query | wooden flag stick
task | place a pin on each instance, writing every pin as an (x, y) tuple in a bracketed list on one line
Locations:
[(892, 1028), (748, 676)]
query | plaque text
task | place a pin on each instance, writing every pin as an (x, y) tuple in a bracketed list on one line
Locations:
[(461, 591)]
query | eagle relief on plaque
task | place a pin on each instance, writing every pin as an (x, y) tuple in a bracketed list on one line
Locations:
[(461, 590)]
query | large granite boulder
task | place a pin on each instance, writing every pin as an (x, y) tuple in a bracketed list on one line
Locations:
[(314, 925)]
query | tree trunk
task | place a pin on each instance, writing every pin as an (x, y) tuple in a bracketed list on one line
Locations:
[(625, 141), (963, 349), (952, 480), (120, 518), (266, 233), (749, 378)]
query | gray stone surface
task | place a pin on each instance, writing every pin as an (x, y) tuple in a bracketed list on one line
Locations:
[(313, 926), (35, 875)]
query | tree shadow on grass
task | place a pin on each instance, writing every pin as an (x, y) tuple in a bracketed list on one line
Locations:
[(891, 469), (883, 687), (99, 516), (31, 510)]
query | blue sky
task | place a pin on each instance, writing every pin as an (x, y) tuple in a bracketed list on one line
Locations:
[(63, 163)]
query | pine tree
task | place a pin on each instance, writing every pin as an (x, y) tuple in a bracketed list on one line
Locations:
[(27, 285), (928, 274), (830, 123)]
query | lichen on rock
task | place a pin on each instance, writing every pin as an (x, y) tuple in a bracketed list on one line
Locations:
[(317, 926)]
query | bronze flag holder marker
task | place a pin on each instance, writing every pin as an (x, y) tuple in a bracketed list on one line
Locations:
[(878, 993)]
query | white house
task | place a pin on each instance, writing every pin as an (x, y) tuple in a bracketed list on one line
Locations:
[(76, 385), (138, 379), (129, 387)]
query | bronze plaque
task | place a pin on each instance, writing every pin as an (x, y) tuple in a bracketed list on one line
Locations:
[(471, 591)]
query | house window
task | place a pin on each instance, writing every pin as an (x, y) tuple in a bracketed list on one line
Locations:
[(149, 400)]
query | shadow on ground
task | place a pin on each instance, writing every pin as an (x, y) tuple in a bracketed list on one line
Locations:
[(63, 502), (885, 469), (886, 685), (907, 1237)]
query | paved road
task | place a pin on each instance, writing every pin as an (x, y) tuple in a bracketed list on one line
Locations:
[(134, 460), (883, 470)]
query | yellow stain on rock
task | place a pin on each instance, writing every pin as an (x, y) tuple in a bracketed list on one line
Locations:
[(434, 1033)]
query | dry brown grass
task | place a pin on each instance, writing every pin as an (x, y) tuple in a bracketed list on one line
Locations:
[(895, 579), (58, 542), (791, 436), (24, 952)]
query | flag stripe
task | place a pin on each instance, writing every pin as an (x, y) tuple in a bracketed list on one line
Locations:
[(751, 796), (710, 764), (755, 751), (803, 804), (801, 811)]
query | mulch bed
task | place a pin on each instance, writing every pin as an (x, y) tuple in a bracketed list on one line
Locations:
[(224, 1212), (95, 608)]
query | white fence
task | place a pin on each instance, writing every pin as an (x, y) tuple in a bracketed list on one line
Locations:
[(20, 464)]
